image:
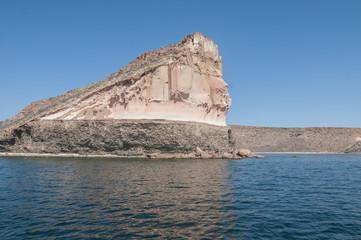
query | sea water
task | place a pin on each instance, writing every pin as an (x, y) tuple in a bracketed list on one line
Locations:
[(280, 197)]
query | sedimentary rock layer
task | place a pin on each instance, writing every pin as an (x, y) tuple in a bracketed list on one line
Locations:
[(179, 82), (317, 139), (117, 137), (355, 148)]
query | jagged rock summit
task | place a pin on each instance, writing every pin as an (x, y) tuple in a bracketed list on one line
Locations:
[(179, 82)]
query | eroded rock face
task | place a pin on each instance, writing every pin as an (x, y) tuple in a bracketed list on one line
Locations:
[(180, 82), (133, 138)]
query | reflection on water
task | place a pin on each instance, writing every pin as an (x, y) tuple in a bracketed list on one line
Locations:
[(280, 197), (115, 198)]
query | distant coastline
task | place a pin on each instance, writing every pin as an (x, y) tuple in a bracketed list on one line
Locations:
[(298, 140)]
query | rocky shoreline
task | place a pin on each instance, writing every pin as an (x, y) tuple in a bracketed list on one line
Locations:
[(169, 139), (239, 154)]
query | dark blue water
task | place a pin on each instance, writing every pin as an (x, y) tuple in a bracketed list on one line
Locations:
[(280, 197)]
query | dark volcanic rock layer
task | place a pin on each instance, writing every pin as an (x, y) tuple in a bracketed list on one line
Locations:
[(317, 139), (117, 137)]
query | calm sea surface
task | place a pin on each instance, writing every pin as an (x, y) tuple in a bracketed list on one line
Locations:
[(280, 197)]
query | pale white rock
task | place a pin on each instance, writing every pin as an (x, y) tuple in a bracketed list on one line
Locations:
[(180, 82)]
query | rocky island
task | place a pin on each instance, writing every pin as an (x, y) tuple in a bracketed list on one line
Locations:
[(170, 102), (167, 103)]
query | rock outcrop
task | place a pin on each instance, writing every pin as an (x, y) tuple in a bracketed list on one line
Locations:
[(168, 101), (200, 154), (179, 82), (356, 146)]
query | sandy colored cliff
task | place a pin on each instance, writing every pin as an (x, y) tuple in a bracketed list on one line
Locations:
[(169, 101), (179, 82)]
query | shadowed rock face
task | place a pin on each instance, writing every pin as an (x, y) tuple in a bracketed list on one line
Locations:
[(180, 82)]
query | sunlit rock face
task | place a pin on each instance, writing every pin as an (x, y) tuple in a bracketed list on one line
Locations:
[(180, 82)]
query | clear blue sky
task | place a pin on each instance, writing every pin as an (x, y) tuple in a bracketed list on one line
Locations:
[(288, 63)]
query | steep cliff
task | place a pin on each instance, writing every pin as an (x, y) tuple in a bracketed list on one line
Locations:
[(170, 100), (117, 137), (179, 82)]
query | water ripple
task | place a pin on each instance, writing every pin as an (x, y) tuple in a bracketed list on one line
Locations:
[(280, 197)]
